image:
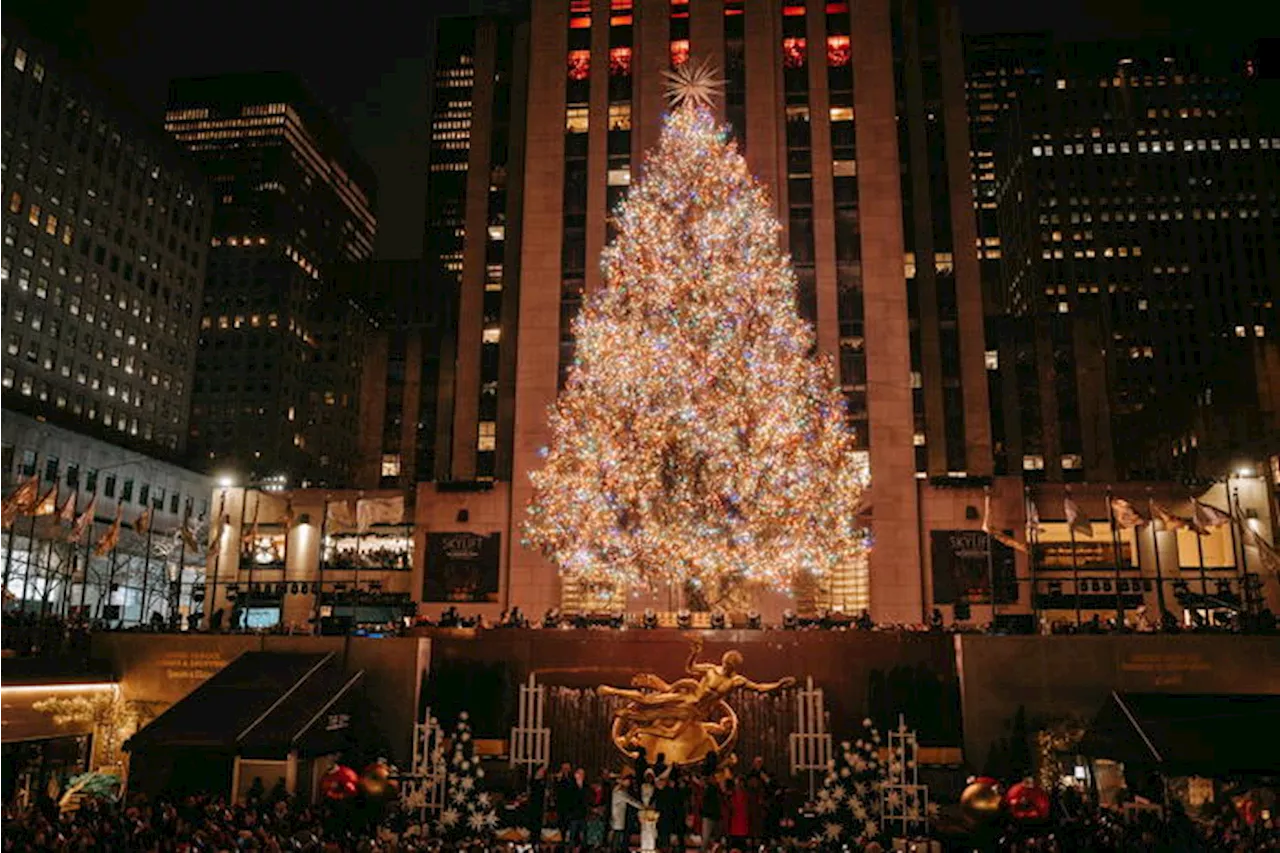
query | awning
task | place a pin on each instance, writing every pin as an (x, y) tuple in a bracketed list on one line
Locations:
[(261, 705), (1185, 734)]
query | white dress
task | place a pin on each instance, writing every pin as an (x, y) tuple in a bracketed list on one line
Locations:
[(648, 819)]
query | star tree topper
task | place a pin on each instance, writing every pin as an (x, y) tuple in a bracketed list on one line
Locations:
[(693, 85)]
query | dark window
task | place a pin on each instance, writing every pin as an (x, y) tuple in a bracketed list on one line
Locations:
[(73, 475), (126, 491), (91, 480), (51, 469), (109, 487)]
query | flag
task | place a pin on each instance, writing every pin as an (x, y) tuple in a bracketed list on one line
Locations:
[(340, 515), (1206, 518), (188, 535), (252, 536), (217, 531), (48, 504), (1034, 527), (1002, 538), (1125, 515), (143, 522), (111, 538), (1168, 519), (67, 514), (22, 499), (83, 520), (1075, 521), (1267, 553), (371, 511)]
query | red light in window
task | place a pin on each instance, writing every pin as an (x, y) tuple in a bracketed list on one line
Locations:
[(620, 21), (580, 6), (579, 64), (620, 5), (580, 23), (619, 61), (837, 8), (838, 52), (793, 11), (680, 52), (793, 52)]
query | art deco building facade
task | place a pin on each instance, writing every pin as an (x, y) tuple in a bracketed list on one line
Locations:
[(106, 231), (279, 365), (405, 395), (1137, 197), (852, 114)]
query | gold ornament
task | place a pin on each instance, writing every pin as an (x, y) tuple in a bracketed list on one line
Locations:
[(687, 719), (980, 802), (693, 85)]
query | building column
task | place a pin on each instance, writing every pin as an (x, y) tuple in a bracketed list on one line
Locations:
[(896, 582), (531, 582)]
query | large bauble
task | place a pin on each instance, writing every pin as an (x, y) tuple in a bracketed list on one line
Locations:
[(980, 802)]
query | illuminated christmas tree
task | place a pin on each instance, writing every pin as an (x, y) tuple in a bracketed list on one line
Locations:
[(698, 438)]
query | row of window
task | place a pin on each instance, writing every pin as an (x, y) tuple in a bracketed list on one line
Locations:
[(87, 480)]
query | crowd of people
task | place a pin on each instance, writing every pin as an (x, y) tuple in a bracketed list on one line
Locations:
[(28, 634), (665, 806)]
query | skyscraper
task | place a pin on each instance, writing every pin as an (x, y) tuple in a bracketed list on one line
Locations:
[(106, 228), (277, 382), (1136, 191), (852, 115)]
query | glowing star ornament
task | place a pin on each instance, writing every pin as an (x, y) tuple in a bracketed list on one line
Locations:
[(693, 85), (698, 438)]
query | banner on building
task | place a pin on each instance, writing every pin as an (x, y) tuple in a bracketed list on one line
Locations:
[(961, 570), (461, 567)]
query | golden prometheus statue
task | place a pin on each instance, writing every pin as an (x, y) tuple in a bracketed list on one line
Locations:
[(685, 720)]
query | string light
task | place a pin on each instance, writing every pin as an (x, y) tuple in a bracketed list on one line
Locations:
[(698, 438)]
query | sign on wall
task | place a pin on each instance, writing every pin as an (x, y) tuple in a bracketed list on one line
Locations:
[(461, 567), (961, 569)]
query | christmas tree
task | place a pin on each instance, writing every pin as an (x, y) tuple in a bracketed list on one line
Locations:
[(468, 810), (698, 437), (849, 802)]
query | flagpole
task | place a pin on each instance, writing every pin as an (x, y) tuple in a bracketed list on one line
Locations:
[(88, 555), (1233, 509), (175, 595), (13, 528), (31, 545), (1031, 555), (257, 506), (1075, 566), (211, 594), (146, 565), (1204, 577), (48, 567), (1115, 546), (324, 527), (105, 600), (1155, 547)]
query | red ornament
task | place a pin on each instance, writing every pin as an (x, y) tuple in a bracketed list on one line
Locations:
[(339, 783), (1027, 802)]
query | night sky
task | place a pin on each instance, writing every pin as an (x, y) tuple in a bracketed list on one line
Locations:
[(370, 68)]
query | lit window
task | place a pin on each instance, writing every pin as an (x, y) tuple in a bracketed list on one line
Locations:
[(992, 359), (497, 232), (576, 119), (1240, 332), (491, 335), (33, 215), (20, 59), (793, 52), (1072, 461), (1062, 84), (620, 61), (842, 113), (579, 64), (620, 116), (487, 436), (917, 439), (844, 168), (391, 464), (620, 177), (1033, 462), (1260, 331), (680, 52), (838, 52)]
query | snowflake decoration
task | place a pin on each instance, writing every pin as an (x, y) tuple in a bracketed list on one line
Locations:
[(832, 830), (449, 817)]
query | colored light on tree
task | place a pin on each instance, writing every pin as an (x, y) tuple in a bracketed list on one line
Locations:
[(697, 437)]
